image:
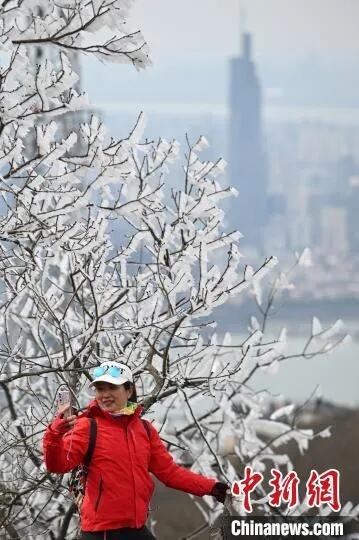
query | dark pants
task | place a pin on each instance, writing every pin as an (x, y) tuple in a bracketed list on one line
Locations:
[(125, 533)]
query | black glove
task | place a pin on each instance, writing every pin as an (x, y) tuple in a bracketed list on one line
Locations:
[(219, 491)]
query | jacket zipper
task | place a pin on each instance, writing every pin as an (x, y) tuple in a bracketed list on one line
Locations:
[(100, 489), (133, 475)]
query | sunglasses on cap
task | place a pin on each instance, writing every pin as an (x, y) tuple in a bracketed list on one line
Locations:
[(113, 371)]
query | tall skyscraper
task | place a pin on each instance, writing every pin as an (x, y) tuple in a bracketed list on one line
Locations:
[(247, 160)]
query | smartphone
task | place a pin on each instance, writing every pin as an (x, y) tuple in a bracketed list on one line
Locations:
[(63, 398)]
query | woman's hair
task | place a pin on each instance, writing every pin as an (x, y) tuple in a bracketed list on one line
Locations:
[(129, 385)]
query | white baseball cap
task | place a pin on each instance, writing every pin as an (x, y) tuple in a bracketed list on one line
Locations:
[(111, 372)]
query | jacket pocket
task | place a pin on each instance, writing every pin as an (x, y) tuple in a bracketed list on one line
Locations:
[(99, 494)]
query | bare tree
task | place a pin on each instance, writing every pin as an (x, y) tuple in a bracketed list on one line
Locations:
[(100, 258)]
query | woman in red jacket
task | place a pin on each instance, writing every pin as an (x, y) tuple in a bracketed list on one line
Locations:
[(119, 486)]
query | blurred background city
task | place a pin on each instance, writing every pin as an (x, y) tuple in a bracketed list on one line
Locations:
[(274, 87)]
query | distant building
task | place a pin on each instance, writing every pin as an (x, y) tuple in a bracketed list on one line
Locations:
[(247, 160), (70, 121), (334, 231)]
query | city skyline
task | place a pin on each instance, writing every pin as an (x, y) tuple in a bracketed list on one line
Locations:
[(310, 111)]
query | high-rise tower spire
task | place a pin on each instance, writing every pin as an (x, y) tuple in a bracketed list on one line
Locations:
[(244, 36), (242, 25)]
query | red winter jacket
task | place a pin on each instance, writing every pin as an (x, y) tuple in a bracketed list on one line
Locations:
[(119, 486)]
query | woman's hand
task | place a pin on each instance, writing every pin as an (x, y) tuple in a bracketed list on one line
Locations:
[(61, 424), (220, 491)]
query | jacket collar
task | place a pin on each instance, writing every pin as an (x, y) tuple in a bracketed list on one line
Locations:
[(94, 409)]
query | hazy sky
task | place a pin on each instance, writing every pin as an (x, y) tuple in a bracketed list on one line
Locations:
[(306, 53), (281, 27)]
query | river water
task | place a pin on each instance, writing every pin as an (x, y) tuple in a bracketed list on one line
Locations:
[(334, 375)]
